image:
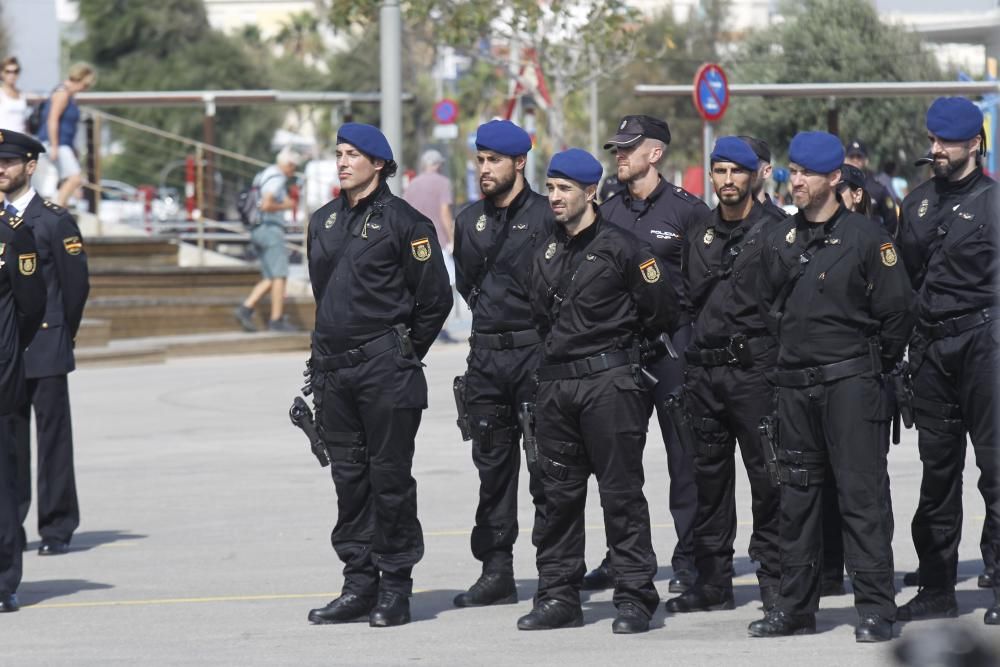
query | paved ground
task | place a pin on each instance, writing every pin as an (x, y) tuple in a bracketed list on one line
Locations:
[(204, 541)]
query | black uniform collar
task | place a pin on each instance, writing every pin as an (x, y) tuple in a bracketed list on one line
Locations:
[(945, 187), (365, 202), (512, 208), (827, 226), (730, 226), (661, 186), (583, 238)]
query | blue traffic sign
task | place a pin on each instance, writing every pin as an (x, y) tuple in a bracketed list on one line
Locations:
[(446, 111), (711, 92)]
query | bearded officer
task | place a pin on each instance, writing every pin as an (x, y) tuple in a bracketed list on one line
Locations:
[(382, 295), (495, 240), (839, 301), (596, 292)]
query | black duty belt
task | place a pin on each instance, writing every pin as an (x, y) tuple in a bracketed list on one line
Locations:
[(956, 325), (807, 377), (584, 367), (507, 340), (739, 350), (356, 356)]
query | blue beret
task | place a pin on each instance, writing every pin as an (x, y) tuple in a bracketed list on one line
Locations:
[(816, 151), (504, 137), (954, 119), (577, 165), (734, 149), (366, 138)]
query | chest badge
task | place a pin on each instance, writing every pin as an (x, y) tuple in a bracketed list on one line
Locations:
[(481, 223), (888, 254), (330, 221), (709, 236), (591, 258), (3, 246), (790, 236), (421, 249), (650, 271), (374, 225), (27, 263), (831, 241), (550, 252), (966, 216), (922, 210)]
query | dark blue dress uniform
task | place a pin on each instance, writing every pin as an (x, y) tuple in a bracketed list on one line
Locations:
[(48, 361), (22, 308), (949, 245), (374, 266), (594, 296), (726, 393), (493, 251), (662, 221), (839, 302)]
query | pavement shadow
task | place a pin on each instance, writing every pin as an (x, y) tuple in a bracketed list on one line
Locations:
[(89, 539), (35, 592), (968, 570), (427, 605)]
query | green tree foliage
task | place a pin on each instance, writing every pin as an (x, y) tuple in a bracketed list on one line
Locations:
[(834, 41)]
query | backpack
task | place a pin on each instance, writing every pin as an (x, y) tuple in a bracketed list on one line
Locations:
[(34, 121), (248, 203)]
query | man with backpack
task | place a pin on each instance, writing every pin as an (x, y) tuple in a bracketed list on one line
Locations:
[(270, 197)]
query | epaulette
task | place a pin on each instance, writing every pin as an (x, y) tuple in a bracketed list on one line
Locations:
[(13, 221), (684, 194), (56, 208)]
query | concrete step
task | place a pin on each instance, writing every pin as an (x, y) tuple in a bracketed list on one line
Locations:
[(156, 349), (141, 317), (173, 281), (104, 252), (93, 333)]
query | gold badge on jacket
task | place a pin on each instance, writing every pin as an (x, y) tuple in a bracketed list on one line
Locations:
[(73, 245), (888, 254), (26, 263), (481, 223), (550, 252), (790, 236), (421, 249), (650, 271), (709, 236), (922, 210)]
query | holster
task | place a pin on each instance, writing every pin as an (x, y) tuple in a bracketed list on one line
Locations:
[(403, 340), (458, 386), (302, 417), (902, 387), (768, 430), (681, 419), (526, 418)]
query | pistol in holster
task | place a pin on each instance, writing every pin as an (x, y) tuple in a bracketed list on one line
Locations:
[(526, 418), (302, 417), (402, 333), (739, 348), (768, 430), (902, 387), (458, 386), (681, 419)]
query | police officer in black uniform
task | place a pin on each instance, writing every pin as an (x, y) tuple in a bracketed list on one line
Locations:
[(948, 237), (839, 303), (22, 308), (495, 239), (49, 359), (883, 204), (725, 391), (382, 295), (659, 213), (763, 152), (596, 292)]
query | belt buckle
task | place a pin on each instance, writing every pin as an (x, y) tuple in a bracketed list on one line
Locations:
[(506, 340), (356, 356), (814, 375)]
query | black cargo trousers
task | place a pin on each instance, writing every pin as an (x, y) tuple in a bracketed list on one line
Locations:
[(954, 385), (496, 383), (368, 415), (836, 427), (726, 403), (594, 424)]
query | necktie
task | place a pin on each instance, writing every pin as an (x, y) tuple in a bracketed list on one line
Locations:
[(11, 210)]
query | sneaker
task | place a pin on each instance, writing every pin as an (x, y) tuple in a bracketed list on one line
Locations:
[(282, 325), (244, 316)]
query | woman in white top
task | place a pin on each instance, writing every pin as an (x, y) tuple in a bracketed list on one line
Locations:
[(13, 106)]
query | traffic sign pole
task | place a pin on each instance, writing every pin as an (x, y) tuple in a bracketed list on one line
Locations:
[(706, 160)]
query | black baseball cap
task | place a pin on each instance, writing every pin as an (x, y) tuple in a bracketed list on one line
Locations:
[(15, 144), (760, 147), (857, 148), (632, 129), (852, 176)]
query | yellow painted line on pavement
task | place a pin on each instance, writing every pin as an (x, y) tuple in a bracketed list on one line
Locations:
[(197, 600)]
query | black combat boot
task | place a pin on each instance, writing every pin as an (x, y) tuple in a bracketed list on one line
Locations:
[(701, 598), (872, 628), (930, 603), (912, 578), (992, 616), (391, 609), (631, 620), (599, 579), (491, 588), (769, 596), (348, 607), (550, 615), (777, 623), (831, 587), (986, 578), (681, 581)]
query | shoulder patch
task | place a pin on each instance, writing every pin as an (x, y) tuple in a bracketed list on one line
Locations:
[(650, 271), (27, 263), (888, 253), (684, 194), (421, 249), (13, 221), (73, 245)]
